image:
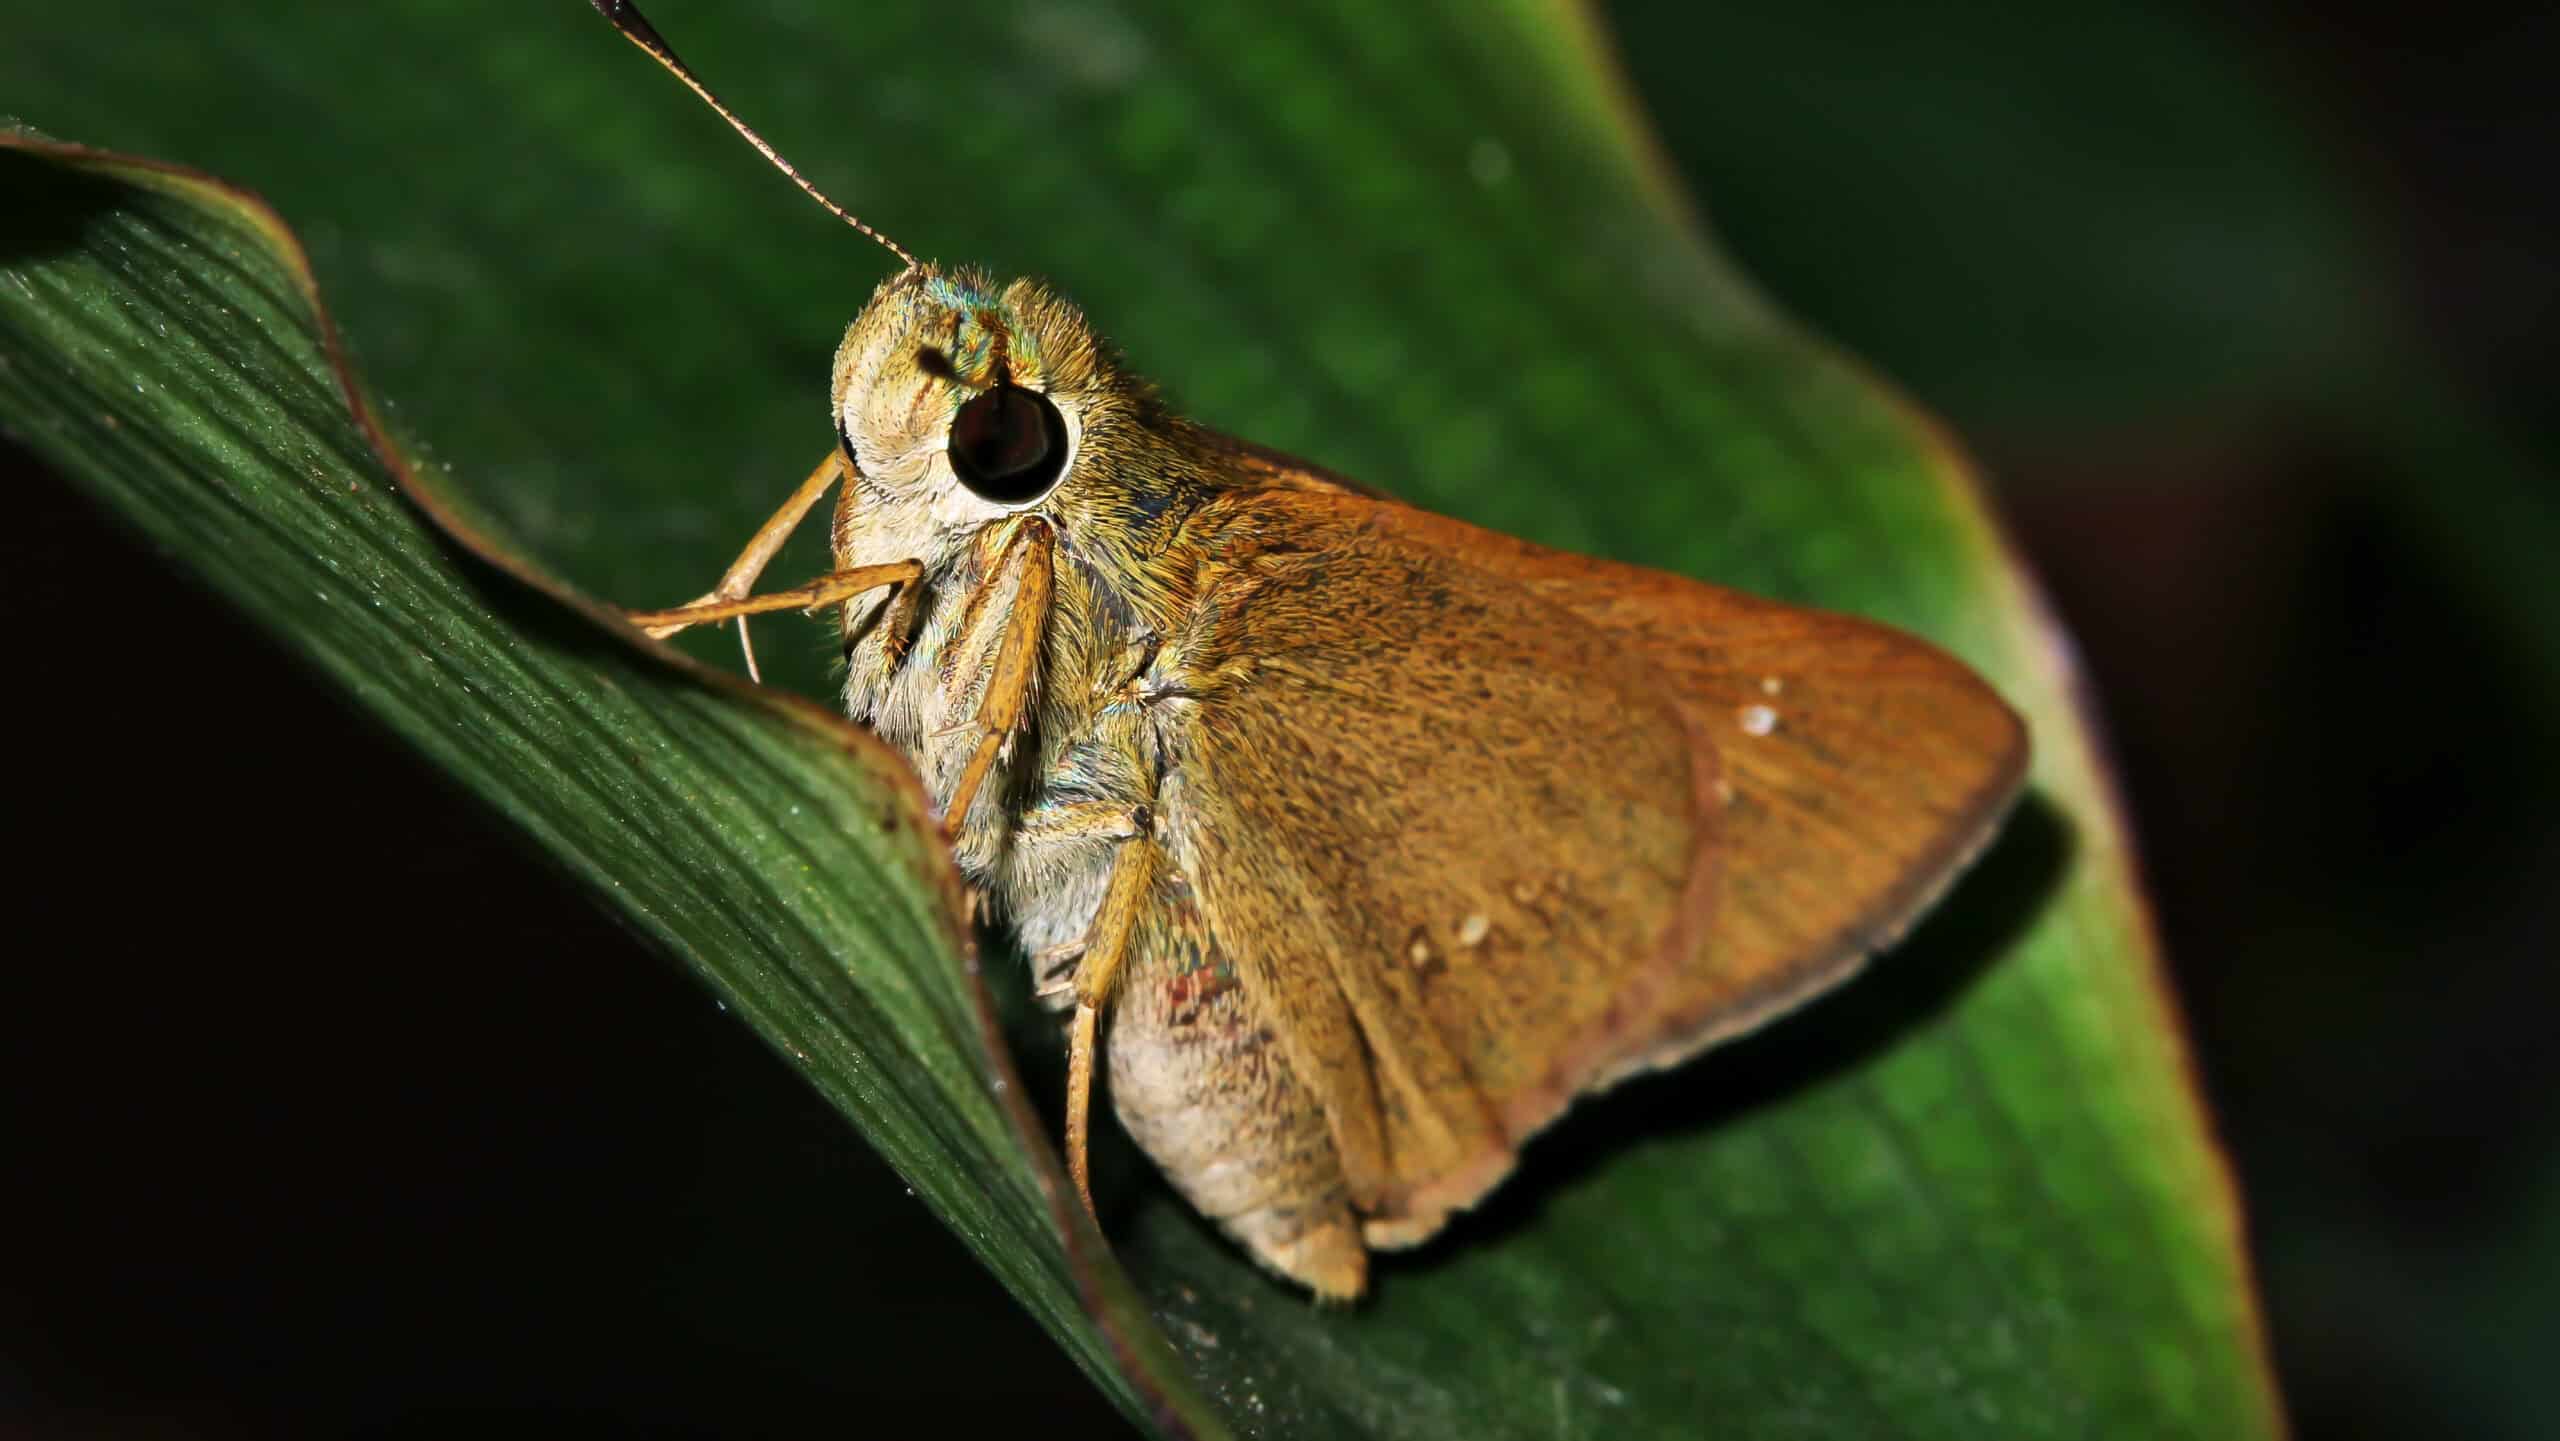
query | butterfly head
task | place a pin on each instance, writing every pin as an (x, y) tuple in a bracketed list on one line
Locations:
[(973, 398)]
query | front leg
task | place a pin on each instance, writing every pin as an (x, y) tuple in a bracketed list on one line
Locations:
[(743, 572), (842, 585), (1025, 561)]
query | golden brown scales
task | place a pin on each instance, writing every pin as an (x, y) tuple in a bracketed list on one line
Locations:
[(1380, 837), (1419, 831)]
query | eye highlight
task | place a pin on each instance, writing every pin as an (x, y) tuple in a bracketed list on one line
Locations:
[(1009, 445)]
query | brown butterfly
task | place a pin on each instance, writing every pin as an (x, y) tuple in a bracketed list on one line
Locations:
[(1375, 838)]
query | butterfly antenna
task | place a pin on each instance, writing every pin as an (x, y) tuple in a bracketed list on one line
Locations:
[(636, 28)]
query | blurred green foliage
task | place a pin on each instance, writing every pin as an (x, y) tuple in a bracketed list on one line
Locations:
[(2241, 306), (579, 292)]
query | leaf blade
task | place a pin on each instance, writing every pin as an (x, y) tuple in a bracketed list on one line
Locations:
[(748, 833), (1792, 475)]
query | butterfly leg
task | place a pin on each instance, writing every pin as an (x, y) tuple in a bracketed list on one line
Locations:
[(1106, 945), (825, 590), (761, 548), (1026, 556)]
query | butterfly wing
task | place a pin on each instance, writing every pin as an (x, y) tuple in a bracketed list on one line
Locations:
[(1860, 769), (1487, 826)]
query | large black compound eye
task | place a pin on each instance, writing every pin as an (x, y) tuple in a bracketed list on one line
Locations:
[(1009, 445)]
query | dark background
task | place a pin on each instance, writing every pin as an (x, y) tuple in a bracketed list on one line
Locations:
[(2250, 320)]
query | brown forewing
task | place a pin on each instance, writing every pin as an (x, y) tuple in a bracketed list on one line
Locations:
[(1488, 826), (1860, 769), (1446, 831)]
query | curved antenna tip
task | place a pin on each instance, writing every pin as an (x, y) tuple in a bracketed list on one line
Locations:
[(635, 27)]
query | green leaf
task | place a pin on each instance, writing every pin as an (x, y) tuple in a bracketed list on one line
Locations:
[(1973, 1192), (2045, 227), (160, 338), (2176, 243)]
